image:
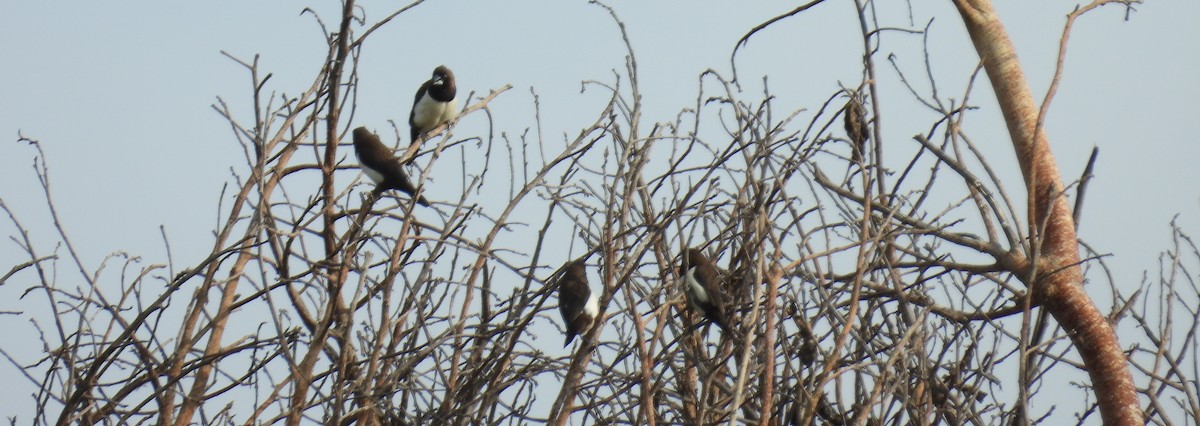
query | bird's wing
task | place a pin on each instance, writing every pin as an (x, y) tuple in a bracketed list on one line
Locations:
[(571, 300)]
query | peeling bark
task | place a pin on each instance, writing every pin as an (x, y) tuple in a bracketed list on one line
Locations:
[(1058, 283)]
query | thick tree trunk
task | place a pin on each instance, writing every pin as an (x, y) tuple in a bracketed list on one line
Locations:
[(1058, 286)]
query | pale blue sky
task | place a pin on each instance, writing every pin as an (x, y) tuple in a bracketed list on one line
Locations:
[(119, 94)]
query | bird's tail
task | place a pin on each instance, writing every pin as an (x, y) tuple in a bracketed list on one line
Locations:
[(723, 323), (407, 189)]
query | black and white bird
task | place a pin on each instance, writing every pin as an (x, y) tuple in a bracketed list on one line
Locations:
[(575, 301), (854, 119), (381, 165), (435, 104), (702, 284)]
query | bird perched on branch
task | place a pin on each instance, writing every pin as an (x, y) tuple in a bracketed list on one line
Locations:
[(381, 165), (702, 284), (855, 121), (575, 301), (435, 103)]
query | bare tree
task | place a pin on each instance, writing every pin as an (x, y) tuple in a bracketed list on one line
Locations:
[(854, 294)]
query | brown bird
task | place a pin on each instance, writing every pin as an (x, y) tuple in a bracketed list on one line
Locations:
[(382, 165), (702, 285), (855, 122), (742, 275), (435, 103), (575, 301), (806, 349)]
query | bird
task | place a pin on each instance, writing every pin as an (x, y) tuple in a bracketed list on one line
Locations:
[(742, 275), (702, 284), (382, 165), (575, 301), (855, 122), (806, 342), (435, 104)]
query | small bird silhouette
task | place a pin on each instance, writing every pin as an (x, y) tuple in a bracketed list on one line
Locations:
[(703, 287), (382, 165), (434, 105), (575, 301), (855, 122)]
